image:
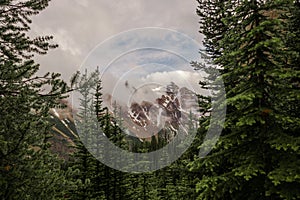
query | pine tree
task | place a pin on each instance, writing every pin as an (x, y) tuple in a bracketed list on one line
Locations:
[(212, 26), (27, 169), (84, 162), (113, 181), (257, 155), (94, 179)]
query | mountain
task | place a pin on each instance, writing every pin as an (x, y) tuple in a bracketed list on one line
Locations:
[(169, 111), (172, 109), (63, 130)]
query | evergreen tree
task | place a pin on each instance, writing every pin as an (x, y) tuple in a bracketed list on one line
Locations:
[(95, 180), (27, 169), (84, 163), (257, 156), (113, 181)]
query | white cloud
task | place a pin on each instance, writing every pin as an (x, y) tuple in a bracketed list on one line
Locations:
[(181, 78), (66, 42), (83, 3), (150, 87)]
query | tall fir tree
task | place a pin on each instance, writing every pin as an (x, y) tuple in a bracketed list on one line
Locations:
[(110, 123), (257, 156), (27, 169), (94, 179), (83, 161)]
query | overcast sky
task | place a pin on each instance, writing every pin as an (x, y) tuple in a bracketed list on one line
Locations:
[(78, 26)]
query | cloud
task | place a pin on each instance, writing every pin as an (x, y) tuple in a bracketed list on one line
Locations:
[(80, 25), (151, 86), (181, 78), (83, 3), (144, 51)]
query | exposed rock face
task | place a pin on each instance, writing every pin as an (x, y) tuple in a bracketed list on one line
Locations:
[(163, 116), (167, 112), (63, 130), (171, 106), (139, 113)]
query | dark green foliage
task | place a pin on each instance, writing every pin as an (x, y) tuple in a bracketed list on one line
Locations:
[(95, 180), (257, 156), (27, 169), (255, 46), (83, 161)]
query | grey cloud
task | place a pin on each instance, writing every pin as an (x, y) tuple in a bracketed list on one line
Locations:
[(79, 25)]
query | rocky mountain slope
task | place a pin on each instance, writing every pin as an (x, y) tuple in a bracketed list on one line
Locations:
[(175, 109)]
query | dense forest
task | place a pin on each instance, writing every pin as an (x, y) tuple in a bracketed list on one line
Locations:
[(255, 47)]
